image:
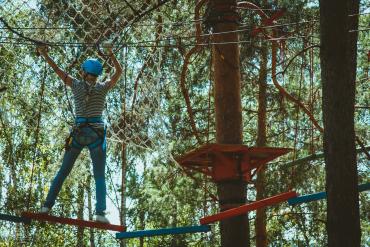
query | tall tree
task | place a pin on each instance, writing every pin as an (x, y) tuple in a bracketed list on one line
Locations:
[(338, 72), (260, 225), (80, 213), (123, 190), (231, 193)]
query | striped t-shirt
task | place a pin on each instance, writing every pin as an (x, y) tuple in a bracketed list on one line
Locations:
[(89, 100)]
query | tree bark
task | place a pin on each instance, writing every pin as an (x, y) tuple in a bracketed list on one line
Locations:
[(90, 210), (338, 72), (123, 190), (231, 193), (142, 212), (80, 214), (260, 224)]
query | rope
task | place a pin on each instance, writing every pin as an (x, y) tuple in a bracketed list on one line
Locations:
[(296, 127), (175, 38), (169, 45), (29, 196), (137, 18), (69, 69), (42, 90), (170, 23), (39, 42)]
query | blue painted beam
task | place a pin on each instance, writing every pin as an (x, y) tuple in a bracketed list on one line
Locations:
[(15, 219), (364, 187), (320, 195), (306, 198), (164, 231)]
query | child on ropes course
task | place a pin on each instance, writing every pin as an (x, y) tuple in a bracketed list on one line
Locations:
[(89, 130)]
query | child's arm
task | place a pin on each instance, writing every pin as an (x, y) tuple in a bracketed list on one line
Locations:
[(117, 69), (67, 79)]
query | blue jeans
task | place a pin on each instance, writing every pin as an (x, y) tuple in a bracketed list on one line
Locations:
[(85, 137)]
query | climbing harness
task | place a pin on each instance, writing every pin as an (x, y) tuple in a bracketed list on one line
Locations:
[(81, 123)]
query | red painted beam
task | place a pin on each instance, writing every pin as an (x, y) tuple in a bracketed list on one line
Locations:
[(268, 21), (74, 222), (274, 17), (248, 207)]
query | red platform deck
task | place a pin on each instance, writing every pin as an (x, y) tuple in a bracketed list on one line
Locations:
[(229, 161), (248, 207), (73, 222)]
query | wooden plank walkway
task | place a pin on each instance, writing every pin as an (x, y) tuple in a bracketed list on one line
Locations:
[(163, 231), (15, 219), (320, 196), (248, 207), (74, 222)]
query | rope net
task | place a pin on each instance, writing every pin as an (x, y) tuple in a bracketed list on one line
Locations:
[(75, 31), (37, 112)]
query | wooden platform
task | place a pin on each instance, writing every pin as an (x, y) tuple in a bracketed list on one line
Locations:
[(74, 222), (15, 219), (229, 161), (248, 207), (163, 231)]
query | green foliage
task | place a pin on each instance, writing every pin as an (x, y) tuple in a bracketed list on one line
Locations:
[(158, 193)]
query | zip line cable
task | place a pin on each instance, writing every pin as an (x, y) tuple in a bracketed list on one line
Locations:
[(159, 24), (169, 38), (135, 44), (359, 30), (136, 18), (168, 23), (21, 35), (174, 38), (167, 46), (359, 14)]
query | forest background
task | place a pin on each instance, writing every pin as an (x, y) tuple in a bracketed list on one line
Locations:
[(163, 107)]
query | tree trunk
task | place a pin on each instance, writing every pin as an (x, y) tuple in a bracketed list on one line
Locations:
[(338, 72), (123, 190), (234, 231), (89, 205), (142, 225), (142, 212), (260, 225), (80, 214)]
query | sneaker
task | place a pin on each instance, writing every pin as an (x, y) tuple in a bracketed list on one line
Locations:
[(44, 210), (101, 219)]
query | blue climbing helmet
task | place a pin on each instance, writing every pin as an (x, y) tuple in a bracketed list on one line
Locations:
[(92, 66)]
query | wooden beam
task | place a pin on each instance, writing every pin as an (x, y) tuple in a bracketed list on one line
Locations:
[(307, 198), (74, 222), (163, 231), (315, 157), (248, 207), (320, 196), (15, 219)]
